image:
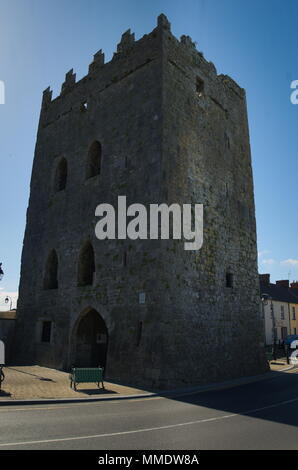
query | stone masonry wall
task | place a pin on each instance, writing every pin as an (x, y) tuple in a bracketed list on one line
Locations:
[(162, 141)]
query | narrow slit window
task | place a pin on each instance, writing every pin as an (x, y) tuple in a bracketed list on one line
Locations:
[(229, 280), (139, 337), (93, 166), (61, 176), (86, 267), (46, 332), (51, 272)]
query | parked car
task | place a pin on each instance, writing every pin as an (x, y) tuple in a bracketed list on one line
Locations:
[(289, 339)]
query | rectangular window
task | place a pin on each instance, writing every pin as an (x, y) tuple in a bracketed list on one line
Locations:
[(46, 332), (293, 313), (295, 331), (282, 312)]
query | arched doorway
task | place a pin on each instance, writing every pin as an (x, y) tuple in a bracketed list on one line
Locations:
[(91, 341)]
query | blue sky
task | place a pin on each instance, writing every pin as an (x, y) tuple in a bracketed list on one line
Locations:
[(254, 42)]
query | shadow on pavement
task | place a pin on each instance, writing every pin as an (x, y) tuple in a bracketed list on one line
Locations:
[(45, 379)]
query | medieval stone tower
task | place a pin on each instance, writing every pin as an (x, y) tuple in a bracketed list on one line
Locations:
[(158, 125)]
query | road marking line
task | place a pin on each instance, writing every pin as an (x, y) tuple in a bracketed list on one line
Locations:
[(159, 428)]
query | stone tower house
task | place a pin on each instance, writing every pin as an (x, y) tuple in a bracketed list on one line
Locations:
[(158, 125)]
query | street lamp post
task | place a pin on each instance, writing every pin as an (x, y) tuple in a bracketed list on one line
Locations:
[(7, 299)]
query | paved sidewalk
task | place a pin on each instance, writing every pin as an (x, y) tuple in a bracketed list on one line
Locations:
[(38, 383), (279, 364), (35, 382)]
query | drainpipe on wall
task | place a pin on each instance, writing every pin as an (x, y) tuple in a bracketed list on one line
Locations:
[(289, 311)]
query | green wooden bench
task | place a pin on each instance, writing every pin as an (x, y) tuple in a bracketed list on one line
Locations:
[(269, 356), (86, 375)]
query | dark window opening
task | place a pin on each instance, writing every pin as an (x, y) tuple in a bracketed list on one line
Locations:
[(284, 332), (282, 312), (61, 175), (229, 280), (139, 333), (199, 86), (93, 166), (46, 332), (51, 271), (86, 266), (125, 259)]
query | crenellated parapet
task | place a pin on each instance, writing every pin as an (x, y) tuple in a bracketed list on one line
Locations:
[(47, 97), (131, 54), (187, 41), (163, 22), (98, 62), (70, 81), (126, 43)]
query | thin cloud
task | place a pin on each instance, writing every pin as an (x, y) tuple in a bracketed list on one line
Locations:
[(268, 261), (290, 262)]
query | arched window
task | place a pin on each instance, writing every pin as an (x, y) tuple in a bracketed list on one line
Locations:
[(93, 165), (51, 271), (60, 175), (86, 267)]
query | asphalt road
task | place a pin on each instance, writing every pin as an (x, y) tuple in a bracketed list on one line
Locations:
[(261, 415)]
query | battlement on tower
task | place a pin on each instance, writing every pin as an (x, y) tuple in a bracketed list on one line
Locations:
[(130, 55)]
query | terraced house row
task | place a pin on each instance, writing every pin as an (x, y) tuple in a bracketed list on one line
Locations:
[(281, 310)]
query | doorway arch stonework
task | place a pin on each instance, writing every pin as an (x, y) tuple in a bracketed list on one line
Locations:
[(89, 340)]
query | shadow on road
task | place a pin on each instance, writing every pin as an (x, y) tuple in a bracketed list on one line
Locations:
[(274, 399), (94, 391)]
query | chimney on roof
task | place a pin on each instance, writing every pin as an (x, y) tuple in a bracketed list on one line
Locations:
[(294, 285), (283, 283), (264, 278)]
